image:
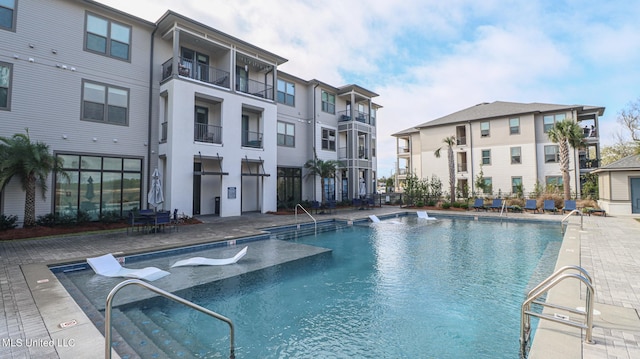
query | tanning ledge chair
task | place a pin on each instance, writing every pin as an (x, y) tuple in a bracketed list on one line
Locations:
[(531, 205), (201, 261), (425, 215), (478, 204), (549, 205), (569, 205), (108, 266)]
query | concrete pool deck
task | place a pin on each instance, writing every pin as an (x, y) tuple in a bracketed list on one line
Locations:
[(34, 304)]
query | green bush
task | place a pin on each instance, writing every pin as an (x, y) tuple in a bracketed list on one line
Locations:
[(110, 217), (456, 205), (431, 203), (446, 205), (464, 205), (8, 222), (419, 204)]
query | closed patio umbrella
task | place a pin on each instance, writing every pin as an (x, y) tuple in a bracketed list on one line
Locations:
[(363, 188), (155, 196)]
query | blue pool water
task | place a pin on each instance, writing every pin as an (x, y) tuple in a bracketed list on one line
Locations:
[(431, 289)]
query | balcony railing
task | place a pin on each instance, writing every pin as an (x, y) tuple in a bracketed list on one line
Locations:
[(462, 167), (163, 135), (403, 149), (362, 153), (586, 163), (403, 171), (255, 88), (342, 152), (252, 139), (461, 141), (208, 133), (360, 117), (201, 72)]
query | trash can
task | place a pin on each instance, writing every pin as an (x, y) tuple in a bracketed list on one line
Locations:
[(217, 206)]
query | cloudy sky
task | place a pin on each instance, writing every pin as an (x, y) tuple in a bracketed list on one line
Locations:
[(429, 58)]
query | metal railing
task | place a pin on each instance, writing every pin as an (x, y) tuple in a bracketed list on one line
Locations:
[(315, 223), (255, 88), (252, 139), (197, 71), (207, 133), (542, 288), (107, 313)]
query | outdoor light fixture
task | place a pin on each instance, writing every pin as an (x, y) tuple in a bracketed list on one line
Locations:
[(95, 139)]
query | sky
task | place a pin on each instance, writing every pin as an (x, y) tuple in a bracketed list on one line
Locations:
[(429, 58)]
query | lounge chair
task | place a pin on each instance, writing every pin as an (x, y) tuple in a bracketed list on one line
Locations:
[(375, 219), (201, 261), (569, 205), (425, 215), (108, 266), (496, 204), (549, 205), (478, 204), (531, 205)]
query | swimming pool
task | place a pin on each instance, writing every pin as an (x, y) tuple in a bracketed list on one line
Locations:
[(450, 288)]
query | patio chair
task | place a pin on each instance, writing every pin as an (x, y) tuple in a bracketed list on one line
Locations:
[(478, 204), (201, 261), (136, 221), (108, 266), (496, 204), (425, 215), (331, 206), (162, 220), (315, 206), (531, 205), (549, 205), (569, 205)]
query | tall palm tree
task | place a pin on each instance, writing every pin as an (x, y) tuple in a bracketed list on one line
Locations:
[(450, 142), (32, 163), (323, 169), (566, 133)]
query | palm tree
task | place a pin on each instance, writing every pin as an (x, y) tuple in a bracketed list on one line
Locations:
[(32, 163), (324, 169), (450, 141), (566, 133)]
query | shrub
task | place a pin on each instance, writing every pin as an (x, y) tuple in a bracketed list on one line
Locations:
[(431, 203), (464, 205), (110, 217), (446, 205), (456, 204), (8, 222), (419, 204)]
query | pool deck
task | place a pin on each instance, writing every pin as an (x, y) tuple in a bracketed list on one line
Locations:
[(34, 303)]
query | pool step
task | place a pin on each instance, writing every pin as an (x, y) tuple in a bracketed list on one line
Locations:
[(169, 345), (97, 318), (307, 230), (179, 329), (131, 332), (545, 265)]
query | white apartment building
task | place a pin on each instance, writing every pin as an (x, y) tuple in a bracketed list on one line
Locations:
[(507, 141), (116, 97)]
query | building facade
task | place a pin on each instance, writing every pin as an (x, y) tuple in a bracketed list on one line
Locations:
[(504, 143), (115, 97)]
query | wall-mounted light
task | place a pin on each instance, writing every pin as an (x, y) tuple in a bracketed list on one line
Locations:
[(32, 46), (145, 144), (16, 56), (73, 69), (246, 68), (115, 140), (54, 51), (31, 59), (64, 136), (95, 139)]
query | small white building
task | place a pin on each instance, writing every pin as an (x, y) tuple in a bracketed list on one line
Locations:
[(619, 186)]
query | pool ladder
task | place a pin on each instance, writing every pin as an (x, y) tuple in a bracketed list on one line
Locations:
[(107, 314), (315, 223), (541, 289)]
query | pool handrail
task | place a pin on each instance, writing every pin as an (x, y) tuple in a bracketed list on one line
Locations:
[(315, 223), (107, 313), (571, 213)]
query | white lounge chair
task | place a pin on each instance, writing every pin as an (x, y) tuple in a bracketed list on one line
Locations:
[(375, 219), (425, 215), (108, 266), (201, 261)]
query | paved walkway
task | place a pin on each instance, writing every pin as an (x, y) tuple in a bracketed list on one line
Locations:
[(609, 248)]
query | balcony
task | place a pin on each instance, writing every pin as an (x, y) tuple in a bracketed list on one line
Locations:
[(360, 117), (403, 171), (342, 153), (198, 72), (163, 136), (589, 164), (254, 88), (403, 150), (208, 133), (362, 153), (461, 141), (462, 167), (252, 139)]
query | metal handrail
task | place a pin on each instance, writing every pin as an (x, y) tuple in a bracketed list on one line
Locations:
[(502, 208), (571, 213), (107, 314), (543, 287), (315, 223)]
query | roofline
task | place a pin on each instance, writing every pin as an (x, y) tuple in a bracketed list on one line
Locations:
[(617, 169), (120, 12)]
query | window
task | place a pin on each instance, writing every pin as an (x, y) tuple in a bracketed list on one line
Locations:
[(486, 157), (289, 187), (104, 103), (373, 116), (551, 154), (514, 126), (286, 93), (488, 185), (8, 14), (328, 139), (329, 189), (5, 85), (550, 120), (516, 185), (98, 185), (107, 37), (484, 129), (515, 156), (554, 181), (328, 102), (286, 134)]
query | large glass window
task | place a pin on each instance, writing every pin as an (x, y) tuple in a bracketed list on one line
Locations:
[(550, 120), (330, 189), (107, 37), (516, 158), (286, 92), (554, 182), (8, 14), (551, 154), (516, 185), (328, 139), (488, 185), (286, 134), (486, 157), (105, 103), (514, 126), (289, 187), (484, 129), (5, 85), (98, 185), (328, 102)]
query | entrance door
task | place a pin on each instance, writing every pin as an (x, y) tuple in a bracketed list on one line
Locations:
[(635, 195), (197, 180)]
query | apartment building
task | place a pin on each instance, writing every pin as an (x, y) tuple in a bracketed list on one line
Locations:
[(505, 141), (116, 97)]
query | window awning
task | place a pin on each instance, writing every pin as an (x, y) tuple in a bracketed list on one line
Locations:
[(260, 171), (220, 172)]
